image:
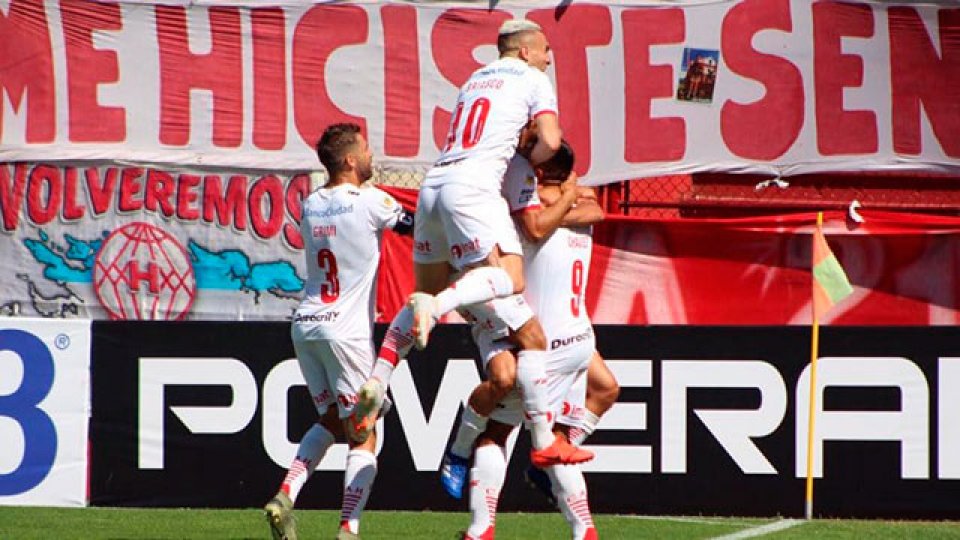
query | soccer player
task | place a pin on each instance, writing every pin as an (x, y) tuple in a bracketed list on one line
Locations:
[(564, 204), (463, 221), (556, 278), (342, 226)]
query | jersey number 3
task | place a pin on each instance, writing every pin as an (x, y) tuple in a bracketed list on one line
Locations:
[(330, 289)]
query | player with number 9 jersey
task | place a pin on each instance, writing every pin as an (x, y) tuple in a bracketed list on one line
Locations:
[(556, 271), (342, 229)]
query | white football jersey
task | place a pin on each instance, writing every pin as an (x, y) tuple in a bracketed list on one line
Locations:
[(520, 185), (492, 107), (342, 228), (556, 272)]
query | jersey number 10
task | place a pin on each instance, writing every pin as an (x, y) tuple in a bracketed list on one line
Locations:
[(473, 129)]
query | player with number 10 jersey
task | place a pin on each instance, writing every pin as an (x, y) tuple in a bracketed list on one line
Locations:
[(492, 107)]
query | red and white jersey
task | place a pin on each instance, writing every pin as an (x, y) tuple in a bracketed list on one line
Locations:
[(492, 107), (556, 275), (520, 185), (342, 228)]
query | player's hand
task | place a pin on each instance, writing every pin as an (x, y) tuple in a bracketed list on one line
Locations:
[(586, 193), (528, 138), (570, 184)]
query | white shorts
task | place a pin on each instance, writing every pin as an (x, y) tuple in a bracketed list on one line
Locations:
[(335, 370), (460, 223), (495, 319), (566, 370)]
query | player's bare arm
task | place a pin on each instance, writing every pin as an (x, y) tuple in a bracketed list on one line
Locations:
[(549, 136), (586, 211), (539, 223)]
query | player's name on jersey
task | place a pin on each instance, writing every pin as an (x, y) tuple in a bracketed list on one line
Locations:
[(484, 84), (321, 231), (329, 212)]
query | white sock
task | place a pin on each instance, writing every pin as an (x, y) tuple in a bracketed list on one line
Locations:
[(396, 344), (313, 446), (472, 425), (486, 480), (587, 426), (532, 383), (571, 492), (357, 481), (475, 287)]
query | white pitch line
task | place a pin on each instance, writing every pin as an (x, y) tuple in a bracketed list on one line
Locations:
[(681, 519), (761, 530)]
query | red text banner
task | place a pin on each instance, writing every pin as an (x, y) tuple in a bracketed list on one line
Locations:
[(776, 87)]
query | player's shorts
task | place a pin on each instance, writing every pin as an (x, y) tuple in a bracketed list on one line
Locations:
[(496, 318), (335, 370), (566, 368), (461, 223)]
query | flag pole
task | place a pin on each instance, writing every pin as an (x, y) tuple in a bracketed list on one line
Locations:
[(814, 345)]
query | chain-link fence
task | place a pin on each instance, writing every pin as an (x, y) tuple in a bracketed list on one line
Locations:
[(397, 177), (742, 195)]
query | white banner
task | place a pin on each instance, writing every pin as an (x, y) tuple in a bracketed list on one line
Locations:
[(44, 411), (124, 242), (768, 86)]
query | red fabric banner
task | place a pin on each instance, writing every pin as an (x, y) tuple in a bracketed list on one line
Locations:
[(755, 271)]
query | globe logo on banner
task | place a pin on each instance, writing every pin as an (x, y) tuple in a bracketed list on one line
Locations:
[(143, 273)]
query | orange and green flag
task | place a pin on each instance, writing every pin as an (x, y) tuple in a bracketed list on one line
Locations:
[(830, 283)]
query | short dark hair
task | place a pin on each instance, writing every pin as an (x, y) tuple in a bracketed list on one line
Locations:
[(334, 145), (558, 167)]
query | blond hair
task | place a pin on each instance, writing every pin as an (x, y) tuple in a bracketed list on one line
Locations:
[(512, 32)]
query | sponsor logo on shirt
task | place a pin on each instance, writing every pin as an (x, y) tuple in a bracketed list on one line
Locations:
[(330, 316), (526, 195), (577, 338), (329, 212)]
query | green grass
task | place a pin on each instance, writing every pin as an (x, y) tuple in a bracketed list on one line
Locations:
[(118, 523)]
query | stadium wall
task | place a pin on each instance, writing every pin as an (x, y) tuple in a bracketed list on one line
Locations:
[(711, 420)]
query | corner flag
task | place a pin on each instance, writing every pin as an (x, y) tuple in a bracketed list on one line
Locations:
[(830, 283)]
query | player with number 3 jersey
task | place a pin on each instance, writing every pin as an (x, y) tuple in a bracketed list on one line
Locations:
[(341, 229), (342, 225)]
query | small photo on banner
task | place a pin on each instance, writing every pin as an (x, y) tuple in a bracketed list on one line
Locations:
[(698, 75)]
